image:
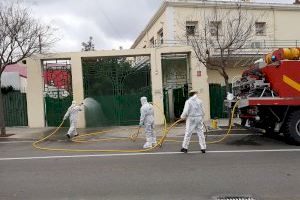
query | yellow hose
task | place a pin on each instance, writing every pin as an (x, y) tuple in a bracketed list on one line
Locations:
[(229, 128), (165, 132)]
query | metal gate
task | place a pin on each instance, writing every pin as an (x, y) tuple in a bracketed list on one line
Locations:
[(166, 105), (57, 90), (180, 96), (115, 84), (217, 95), (15, 108)]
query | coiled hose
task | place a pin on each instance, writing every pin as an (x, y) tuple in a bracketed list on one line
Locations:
[(165, 132)]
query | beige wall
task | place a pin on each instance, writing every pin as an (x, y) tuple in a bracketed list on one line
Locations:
[(200, 83), (287, 25), (282, 21), (215, 77), (35, 87), (152, 32), (278, 22), (77, 85), (157, 89)]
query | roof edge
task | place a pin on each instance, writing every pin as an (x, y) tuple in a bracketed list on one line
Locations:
[(155, 17), (254, 5)]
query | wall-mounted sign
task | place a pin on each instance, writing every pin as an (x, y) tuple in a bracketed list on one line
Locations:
[(198, 73)]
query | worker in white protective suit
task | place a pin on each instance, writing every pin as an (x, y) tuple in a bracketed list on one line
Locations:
[(193, 112), (147, 119), (72, 113)]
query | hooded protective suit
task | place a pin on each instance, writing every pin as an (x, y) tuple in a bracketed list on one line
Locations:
[(72, 113), (147, 119), (193, 112)]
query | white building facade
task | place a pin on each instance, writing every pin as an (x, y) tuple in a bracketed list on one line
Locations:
[(276, 25)]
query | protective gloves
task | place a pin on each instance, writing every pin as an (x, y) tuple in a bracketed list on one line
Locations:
[(140, 125)]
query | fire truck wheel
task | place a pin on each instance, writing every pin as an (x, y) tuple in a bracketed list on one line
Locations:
[(293, 126)]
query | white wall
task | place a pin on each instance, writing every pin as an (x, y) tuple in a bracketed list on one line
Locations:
[(287, 25), (282, 22), (23, 88), (183, 14), (152, 32), (11, 79), (35, 100), (215, 77)]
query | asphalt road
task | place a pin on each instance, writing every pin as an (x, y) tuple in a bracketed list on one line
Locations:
[(243, 164)]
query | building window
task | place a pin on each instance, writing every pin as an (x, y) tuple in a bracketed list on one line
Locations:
[(215, 28), (260, 28), (191, 28), (160, 36), (152, 42)]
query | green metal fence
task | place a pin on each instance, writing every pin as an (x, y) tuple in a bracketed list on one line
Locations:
[(56, 109), (217, 94), (180, 96), (166, 105), (115, 87), (15, 109)]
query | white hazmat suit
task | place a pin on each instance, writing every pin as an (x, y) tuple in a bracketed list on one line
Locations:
[(193, 112), (147, 119), (72, 113)]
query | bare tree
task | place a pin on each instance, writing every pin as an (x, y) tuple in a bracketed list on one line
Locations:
[(20, 37), (223, 35), (89, 45)]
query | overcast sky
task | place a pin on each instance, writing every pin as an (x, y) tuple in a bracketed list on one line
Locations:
[(112, 23)]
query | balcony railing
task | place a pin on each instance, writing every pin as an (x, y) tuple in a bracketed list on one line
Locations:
[(254, 44), (254, 47)]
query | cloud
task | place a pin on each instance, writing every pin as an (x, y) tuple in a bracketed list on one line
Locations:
[(112, 23)]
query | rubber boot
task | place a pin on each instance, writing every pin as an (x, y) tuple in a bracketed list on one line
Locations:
[(153, 141), (148, 143), (183, 150)]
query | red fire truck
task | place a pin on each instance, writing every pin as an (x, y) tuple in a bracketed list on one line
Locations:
[(269, 94)]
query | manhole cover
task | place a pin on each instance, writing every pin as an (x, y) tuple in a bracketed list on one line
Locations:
[(234, 197)]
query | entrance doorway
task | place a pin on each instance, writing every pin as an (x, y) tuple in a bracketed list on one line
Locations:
[(57, 90), (176, 83)]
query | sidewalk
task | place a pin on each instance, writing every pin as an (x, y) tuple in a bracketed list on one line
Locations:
[(223, 122), (26, 133)]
